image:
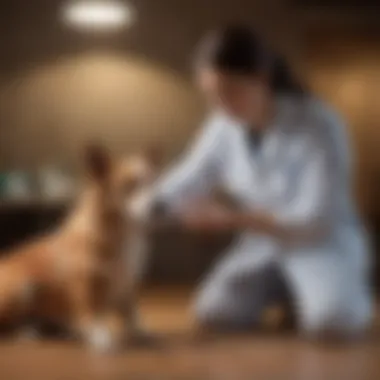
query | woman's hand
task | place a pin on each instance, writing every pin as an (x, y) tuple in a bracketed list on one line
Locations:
[(260, 222), (208, 217), (213, 217)]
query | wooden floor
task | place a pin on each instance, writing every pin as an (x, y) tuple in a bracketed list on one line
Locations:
[(177, 354)]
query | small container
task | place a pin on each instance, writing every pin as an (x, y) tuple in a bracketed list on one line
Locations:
[(16, 185), (55, 184)]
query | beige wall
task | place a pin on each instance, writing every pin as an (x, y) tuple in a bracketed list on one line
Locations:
[(48, 113), (60, 87)]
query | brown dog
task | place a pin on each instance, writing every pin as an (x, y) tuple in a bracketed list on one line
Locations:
[(80, 277)]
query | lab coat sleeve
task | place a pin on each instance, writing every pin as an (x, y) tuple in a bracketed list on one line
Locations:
[(197, 171), (318, 184)]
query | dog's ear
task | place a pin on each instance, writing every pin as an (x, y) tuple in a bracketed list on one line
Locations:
[(97, 161)]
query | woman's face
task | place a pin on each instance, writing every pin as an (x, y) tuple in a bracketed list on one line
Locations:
[(240, 96)]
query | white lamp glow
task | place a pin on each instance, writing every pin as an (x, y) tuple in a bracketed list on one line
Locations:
[(98, 14)]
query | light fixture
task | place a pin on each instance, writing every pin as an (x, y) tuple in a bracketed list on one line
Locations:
[(98, 14)]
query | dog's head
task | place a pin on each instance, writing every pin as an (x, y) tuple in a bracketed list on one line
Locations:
[(125, 184)]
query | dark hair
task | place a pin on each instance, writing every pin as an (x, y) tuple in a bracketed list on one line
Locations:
[(239, 50)]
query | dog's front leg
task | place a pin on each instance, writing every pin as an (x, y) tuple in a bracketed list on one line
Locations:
[(129, 310), (123, 301), (91, 328), (134, 269)]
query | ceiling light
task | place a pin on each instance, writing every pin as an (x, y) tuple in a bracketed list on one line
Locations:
[(98, 14)]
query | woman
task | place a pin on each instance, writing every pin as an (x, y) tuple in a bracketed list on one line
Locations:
[(283, 156)]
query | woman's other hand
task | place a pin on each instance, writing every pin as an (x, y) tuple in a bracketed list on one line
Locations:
[(207, 217)]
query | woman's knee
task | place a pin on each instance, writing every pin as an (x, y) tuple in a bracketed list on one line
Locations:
[(337, 322), (314, 325)]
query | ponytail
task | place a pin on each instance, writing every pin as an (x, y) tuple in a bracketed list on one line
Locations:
[(284, 80)]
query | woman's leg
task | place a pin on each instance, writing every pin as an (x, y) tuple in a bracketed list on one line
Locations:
[(236, 301), (330, 298)]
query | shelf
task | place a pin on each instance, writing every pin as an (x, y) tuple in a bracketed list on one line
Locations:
[(33, 203)]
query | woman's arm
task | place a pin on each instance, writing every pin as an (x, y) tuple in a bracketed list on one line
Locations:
[(195, 174)]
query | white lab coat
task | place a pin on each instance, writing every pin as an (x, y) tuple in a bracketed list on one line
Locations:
[(301, 174)]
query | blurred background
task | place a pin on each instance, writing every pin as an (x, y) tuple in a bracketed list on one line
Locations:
[(67, 78)]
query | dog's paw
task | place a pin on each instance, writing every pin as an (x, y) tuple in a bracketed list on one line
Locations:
[(101, 340)]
